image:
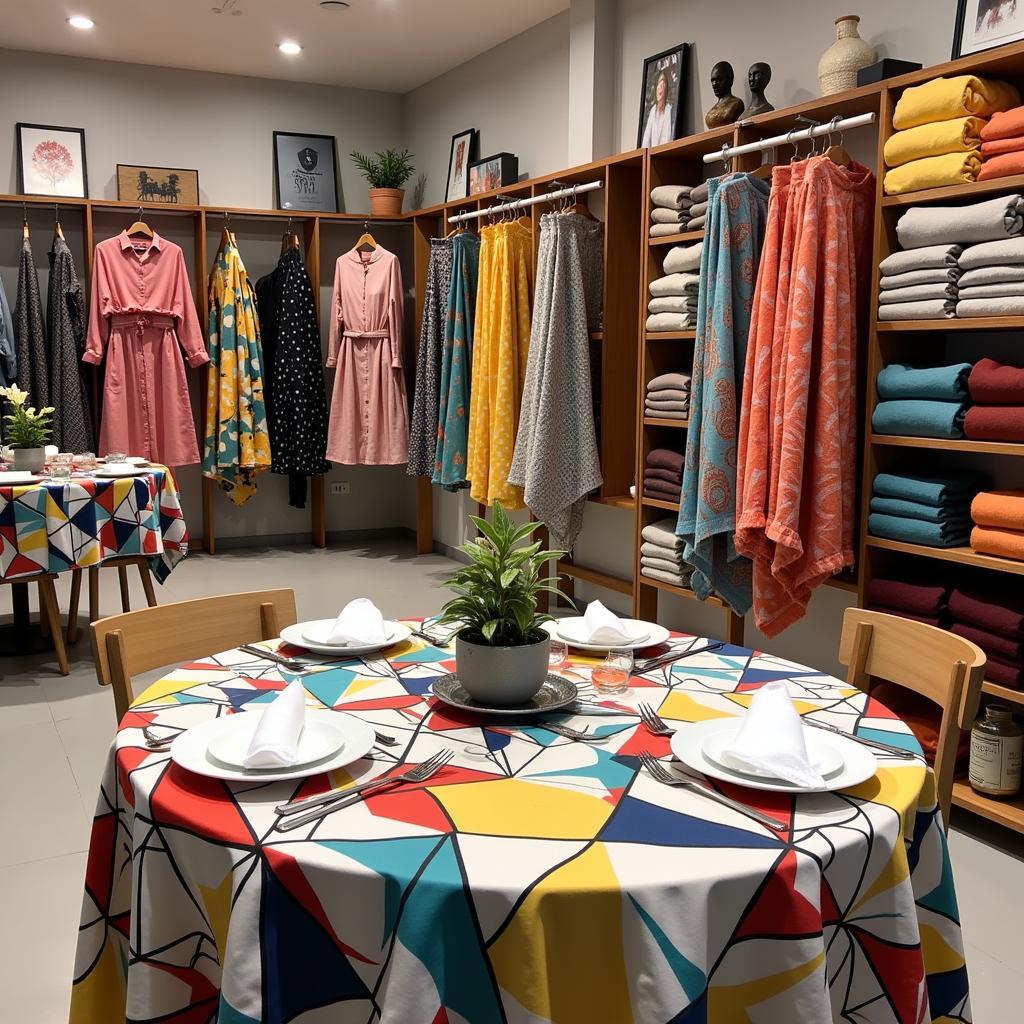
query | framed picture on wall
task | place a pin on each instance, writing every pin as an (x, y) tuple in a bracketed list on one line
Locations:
[(982, 24), (493, 172), (143, 183), (51, 160), (662, 97), (305, 172), (463, 153)]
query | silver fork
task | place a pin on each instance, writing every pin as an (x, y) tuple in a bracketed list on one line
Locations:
[(653, 721), (279, 659), (327, 803), (573, 734), (437, 641), (661, 774)]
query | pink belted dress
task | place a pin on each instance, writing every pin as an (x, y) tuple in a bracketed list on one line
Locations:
[(369, 410), (141, 316)]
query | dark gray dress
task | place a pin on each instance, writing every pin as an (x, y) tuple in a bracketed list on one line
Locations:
[(33, 375), (65, 317)]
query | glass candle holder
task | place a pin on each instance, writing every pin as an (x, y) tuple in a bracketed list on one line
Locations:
[(612, 675)]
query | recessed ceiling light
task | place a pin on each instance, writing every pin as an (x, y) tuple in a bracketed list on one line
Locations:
[(290, 48), (80, 21), (334, 5)]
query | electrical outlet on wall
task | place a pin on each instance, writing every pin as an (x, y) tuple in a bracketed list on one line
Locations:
[(341, 488)]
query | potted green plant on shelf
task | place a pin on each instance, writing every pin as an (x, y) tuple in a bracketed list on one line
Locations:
[(501, 651), (27, 430), (386, 172)]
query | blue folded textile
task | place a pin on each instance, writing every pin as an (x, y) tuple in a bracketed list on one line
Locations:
[(929, 513), (938, 491), (944, 383), (917, 417), (917, 531)]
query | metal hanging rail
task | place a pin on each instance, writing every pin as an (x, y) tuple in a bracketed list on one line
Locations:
[(519, 204), (837, 124)]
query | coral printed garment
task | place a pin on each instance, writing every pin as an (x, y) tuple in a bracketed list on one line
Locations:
[(141, 316), (369, 413), (798, 432)]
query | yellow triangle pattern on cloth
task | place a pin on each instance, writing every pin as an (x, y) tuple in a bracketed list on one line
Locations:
[(165, 687), (732, 1002), (217, 900), (803, 707), (684, 708), (939, 956), (100, 995)]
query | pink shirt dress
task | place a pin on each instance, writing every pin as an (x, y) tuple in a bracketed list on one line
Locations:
[(369, 411), (141, 316)]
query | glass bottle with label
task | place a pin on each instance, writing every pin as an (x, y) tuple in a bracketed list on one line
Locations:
[(996, 744)]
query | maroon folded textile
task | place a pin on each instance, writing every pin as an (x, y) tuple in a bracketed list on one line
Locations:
[(665, 458), (1004, 673), (664, 492), (928, 620), (916, 598), (993, 644), (995, 383), (995, 423), (995, 611), (668, 475)]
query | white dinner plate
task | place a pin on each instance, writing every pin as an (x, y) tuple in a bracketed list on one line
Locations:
[(646, 634), (297, 636), (687, 744), (14, 477), (119, 470), (191, 750), (320, 737), (826, 758)]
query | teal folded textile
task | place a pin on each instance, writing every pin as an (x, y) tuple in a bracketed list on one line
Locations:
[(945, 383), (938, 491), (959, 510), (917, 531), (919, 418)]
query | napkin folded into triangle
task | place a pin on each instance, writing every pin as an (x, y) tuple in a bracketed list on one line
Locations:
[(275, 743), (360, 622), (602, 626)]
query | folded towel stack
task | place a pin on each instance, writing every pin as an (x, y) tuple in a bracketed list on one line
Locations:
[(999, 524), (673, 303), (997, 394), (668, 396), (920, 283), (994, 620), (1002, 145), (672, 209), (939, 131), (661, 554), (663, 475), (922, 602), (931, 511), (992, 277), (929, 402)]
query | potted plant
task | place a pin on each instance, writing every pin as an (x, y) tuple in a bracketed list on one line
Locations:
[(386, 172), (27, 430), (501, 652)]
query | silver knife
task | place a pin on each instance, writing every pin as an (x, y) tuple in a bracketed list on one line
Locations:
[(262, 652), (666, 659), (305, 802), (887, 748)]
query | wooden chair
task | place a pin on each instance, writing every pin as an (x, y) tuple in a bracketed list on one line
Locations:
[(127, 644), (122, 565), (943, 667), (49, 613)]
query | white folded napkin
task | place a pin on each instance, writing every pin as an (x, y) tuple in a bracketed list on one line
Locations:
[(601, 626), (771, 739), (360, 622), (275, 743)]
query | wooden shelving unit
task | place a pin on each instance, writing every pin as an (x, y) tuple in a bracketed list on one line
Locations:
[(1009, 813), (941, 444), (679, 238), (971, 323)]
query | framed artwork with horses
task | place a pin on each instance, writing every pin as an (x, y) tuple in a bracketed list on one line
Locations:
[(138, 183)]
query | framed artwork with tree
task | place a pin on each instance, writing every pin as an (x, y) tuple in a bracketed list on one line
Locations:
[(51, 160)]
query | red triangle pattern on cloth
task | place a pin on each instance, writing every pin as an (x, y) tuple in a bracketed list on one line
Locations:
[(128, 759), (22, 566), (900, 972), (644, 742), (203, 997), (441, 1017), (200, 805), (415, 807), (780, 908), (876, 709), (102, 856), (830, 912), (382, 702)]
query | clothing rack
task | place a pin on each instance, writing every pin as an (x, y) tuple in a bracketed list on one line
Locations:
[(727, 152), (519, 204)]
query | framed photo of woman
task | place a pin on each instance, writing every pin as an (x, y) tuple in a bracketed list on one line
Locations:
[(983, 24), (662, 97), (463, 153)]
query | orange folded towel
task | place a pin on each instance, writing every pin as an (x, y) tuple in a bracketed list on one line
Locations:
[(1002, 166), (1003, 509), (1004, 124), (997, 147), (987, 540)]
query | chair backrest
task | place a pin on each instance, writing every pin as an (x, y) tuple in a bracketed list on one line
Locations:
[(125, 645), (943, 667)]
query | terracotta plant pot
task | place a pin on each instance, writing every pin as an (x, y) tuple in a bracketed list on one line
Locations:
[(501, 676), (29, 460), (386, 202)]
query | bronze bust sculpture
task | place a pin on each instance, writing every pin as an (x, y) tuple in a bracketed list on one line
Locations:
[(758, 77), (729, 107)]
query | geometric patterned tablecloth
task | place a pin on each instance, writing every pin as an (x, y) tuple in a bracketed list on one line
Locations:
[(55, 527), (533, 880)]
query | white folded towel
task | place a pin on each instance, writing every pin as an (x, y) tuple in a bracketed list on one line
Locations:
[(275, 743), (602, 626), (360, 622), (771, 739), (675, 284)]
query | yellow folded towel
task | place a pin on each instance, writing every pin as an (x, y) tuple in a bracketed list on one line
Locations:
[(933, 172), (945, 98), (958, 135)]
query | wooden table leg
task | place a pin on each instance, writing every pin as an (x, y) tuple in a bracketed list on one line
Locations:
[(94, 593), (147, 583), (122, 579), (50, 611), (76, 593)]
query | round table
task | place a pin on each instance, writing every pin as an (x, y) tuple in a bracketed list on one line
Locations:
[(534, 879)]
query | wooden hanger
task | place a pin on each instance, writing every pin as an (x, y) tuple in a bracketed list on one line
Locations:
[(289, 240), (140, 227), (764, 172), (366, 243), (579, 208), (24, 222), (838, 154)]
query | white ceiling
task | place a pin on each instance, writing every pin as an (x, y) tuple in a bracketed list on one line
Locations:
[(393, 45)]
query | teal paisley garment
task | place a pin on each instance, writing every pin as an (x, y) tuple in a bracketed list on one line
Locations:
[(457, 365)]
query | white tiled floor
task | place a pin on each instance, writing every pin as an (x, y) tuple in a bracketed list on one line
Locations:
[(56, 731)]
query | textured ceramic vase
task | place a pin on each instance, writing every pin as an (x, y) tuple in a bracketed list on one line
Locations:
[(838, 67), (31, 460), (501, 676), (386, 202)]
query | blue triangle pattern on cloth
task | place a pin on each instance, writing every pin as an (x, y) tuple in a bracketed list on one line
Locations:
[(424, 656), (329, 685), (690, 977), (695, 1013), (239, 698), (946, 993), (496, 740), (227, 1014), (769, 675)]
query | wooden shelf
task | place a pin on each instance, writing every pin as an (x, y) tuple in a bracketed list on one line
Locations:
[(677, 239), (844, 581), (671, 588), (595, 576), (1008, 812), (968, 191), (962, 556), (668, 506), (967, 323), (625, 501), (670, 335), (597, 335), (947, 445), (657, 421), (1003, 693)]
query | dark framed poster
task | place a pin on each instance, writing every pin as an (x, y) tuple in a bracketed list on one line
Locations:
[(462, 154), (983, 24), (662, 97), (305, 172)]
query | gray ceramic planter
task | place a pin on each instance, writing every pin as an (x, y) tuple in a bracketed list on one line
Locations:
[(500, 676), (29, 460)]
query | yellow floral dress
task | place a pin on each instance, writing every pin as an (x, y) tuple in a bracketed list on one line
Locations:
[(500, 348), (236, 448)]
